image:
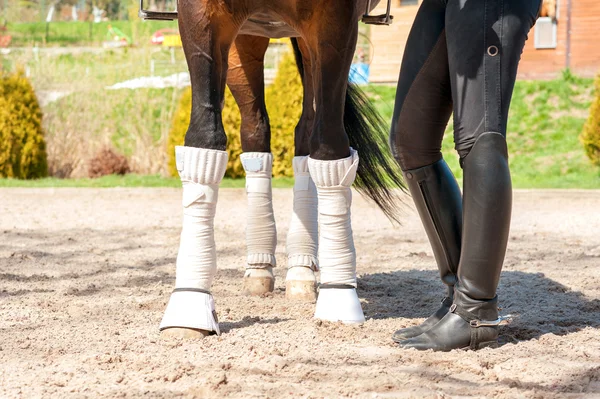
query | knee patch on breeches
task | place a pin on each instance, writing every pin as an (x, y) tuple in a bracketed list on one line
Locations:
[(483, 140)]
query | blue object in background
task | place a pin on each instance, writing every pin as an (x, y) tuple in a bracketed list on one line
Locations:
[(359, 73)]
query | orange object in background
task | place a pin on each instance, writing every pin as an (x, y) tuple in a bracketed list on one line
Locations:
[(4, 38)]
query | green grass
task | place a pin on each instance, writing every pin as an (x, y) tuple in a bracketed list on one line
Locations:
[(82, 33), (545, 121), (130, 180)]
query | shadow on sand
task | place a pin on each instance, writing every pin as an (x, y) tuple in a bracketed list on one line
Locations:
[(538, 304)]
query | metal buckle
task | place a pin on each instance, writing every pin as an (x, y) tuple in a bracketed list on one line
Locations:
[(491, 323), (156, 15), (383, 19)]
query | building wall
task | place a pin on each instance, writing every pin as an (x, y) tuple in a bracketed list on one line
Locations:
[(546, 63), (389, 42), (585, 30)]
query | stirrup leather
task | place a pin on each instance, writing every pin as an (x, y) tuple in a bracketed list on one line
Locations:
[(475, 322)]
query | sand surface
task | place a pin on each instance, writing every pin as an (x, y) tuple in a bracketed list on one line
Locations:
[(85, 275)]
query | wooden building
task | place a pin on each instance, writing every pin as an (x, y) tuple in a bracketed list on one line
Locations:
[(565, 37)]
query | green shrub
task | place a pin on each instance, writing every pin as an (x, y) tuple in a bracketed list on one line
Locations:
[(591, 130), (284, 104), (22, 145)]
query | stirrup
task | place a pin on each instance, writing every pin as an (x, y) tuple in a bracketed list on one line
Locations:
[(383, 19), (156, 15)]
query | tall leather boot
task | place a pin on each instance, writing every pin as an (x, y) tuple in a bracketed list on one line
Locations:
[(438, 200), (472, 321)]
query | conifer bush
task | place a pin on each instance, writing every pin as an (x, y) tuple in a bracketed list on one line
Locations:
[(284, 105), (22, 144), (590, 136)]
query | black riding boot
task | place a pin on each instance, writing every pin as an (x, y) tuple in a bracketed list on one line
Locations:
[(472, 321), (437, 198)]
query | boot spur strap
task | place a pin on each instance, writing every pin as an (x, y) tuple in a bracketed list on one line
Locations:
[(491, 323), (477, 340)]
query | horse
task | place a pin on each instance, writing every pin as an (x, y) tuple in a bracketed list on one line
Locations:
[(225, 42)]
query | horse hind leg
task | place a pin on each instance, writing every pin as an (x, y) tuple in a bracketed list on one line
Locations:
[(246, 81), (302, 238), (201, 162), (333, 164)]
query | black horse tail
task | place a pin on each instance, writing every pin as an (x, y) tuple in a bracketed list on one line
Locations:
[(379, 176)]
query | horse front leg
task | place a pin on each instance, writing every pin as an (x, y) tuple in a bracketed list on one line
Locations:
[(207, 31), (303, 233), (246, 81), (331, 39)]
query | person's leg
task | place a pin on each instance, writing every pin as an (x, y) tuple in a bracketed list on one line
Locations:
[(483, 59), (422, 109)]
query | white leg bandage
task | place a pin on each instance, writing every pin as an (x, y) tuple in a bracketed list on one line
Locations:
[(303, 234), (337, 256), (337, 300), (261, 234), (191, 305)]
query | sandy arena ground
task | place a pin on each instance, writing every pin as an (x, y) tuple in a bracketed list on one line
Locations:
[(85, 275)]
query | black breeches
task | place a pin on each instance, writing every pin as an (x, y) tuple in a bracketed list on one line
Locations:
[(461, 57)]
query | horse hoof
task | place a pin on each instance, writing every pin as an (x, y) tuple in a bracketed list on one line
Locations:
[(185, 333), (298, 290), (339, 304), (301, 284), (259, 281)]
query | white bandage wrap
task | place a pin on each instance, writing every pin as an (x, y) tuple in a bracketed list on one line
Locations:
[(303, 233), (201, 172), (337, 256), (261, 234)]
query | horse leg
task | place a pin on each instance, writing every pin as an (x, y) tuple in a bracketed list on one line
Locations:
[(245, 78), (331, 38), (302, 238), (207, 31)]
